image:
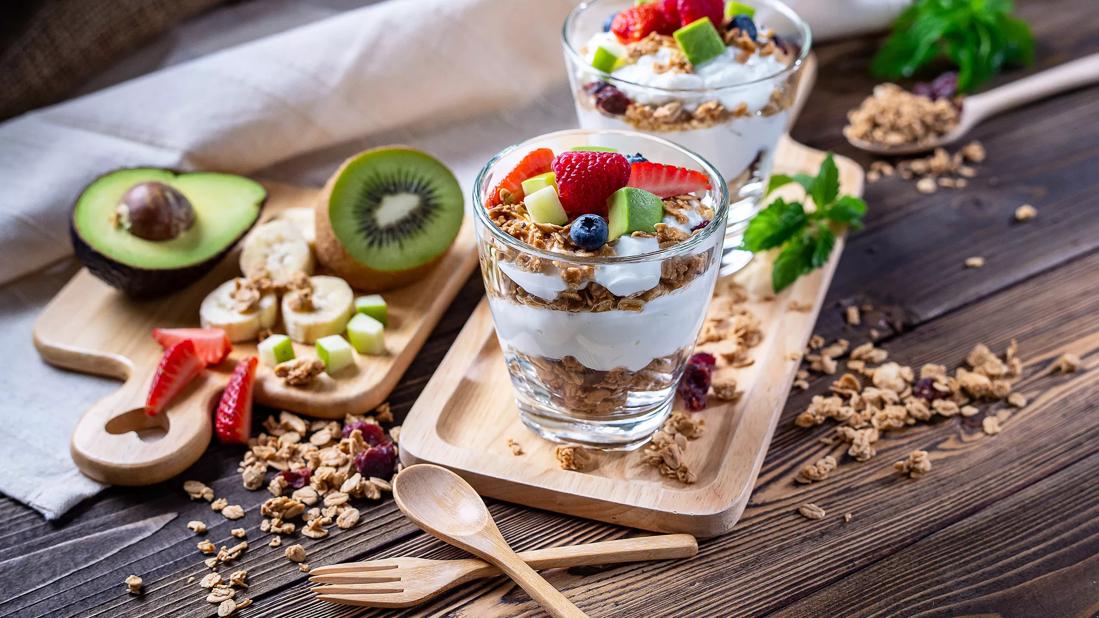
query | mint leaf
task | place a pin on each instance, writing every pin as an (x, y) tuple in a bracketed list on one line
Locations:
[(791, 263), (823, 243), (774, 225), (781, 180), (827, 184), (847, 209)]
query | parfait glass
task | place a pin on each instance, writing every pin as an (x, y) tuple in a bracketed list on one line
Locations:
[(739, 138), (595, 345)]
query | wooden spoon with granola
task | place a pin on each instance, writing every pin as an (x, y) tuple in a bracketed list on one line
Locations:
[(896, 122)]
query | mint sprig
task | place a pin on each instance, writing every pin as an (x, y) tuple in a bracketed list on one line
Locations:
[(806, 237), (978, 36)]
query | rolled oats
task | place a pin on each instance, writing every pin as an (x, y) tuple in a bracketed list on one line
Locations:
[(347, 518), (219, 594), (210, 580), (233, 511), (811, 511), (198, 491), (1026, 212), (974, 262), (226, 608), (817, 471), (990, 425), (134, 584), (239, 578), (197, 527), (207, 546), (240, 533), (295, 553), (219, 504)]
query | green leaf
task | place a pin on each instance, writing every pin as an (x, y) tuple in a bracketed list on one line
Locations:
[(823, 243), (774, 225), (781, 180), (827, 184), (791, 263), (848, 210)]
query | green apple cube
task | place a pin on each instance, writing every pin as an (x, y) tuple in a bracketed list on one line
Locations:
[(605, 60), (275, 349), (593, 149), (732, 9), (335, 353), (367, 335), (699, 41), (374, 306), (545, 207), (541, 181), (633, 210), (640, 2)]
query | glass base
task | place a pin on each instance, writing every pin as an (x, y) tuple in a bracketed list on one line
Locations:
[(620, 433)]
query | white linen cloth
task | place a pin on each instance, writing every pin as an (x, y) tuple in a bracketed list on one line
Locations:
[(458, 78)]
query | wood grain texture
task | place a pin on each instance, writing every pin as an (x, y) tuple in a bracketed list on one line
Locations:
[(89, 327), (467, 413), (994, 528)]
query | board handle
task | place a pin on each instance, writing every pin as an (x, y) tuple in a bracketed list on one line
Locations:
[(116, 442)]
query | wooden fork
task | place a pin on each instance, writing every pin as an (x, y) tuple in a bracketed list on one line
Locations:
[(404, 582)]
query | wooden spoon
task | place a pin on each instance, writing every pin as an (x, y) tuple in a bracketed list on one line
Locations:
[(976, 108), (442, 504)]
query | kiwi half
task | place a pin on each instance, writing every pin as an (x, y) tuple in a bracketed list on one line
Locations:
[(386, 216)]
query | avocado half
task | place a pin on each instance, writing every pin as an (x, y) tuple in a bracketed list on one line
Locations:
[(225, 208)]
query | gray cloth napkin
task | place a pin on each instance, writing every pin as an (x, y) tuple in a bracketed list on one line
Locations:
[(450, 76)]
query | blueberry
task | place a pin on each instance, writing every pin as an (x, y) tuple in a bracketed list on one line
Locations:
[(636, 157), (607, 24), (745, 25), (589, 232)]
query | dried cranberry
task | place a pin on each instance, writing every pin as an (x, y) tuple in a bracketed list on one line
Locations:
[(593, 88), (611, 100), (377, 461), (372, 432), (297, 478), (695, 383), (924, 388), (701, 224), (944, 86)]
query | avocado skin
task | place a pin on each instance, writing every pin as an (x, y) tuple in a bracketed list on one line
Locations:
[(142, 282)]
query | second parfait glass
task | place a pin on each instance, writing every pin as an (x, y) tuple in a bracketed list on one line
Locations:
[(596, 345), (736, 126)]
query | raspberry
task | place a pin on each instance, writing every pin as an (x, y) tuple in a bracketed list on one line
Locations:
[(372, 432), (586, 179), (637, 22), (693, 10), (377, 461), (297, 478)]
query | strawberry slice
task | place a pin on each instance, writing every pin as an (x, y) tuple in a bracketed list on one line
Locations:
[(667, 180), (585, 179), (233, 419), (637, 22), (212, 344), (536, 162), (178, 367), (671, 12), (693, 10)]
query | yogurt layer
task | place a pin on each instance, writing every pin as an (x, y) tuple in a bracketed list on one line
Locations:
[(608, 339)]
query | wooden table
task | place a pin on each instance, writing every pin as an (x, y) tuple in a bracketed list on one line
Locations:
[(1006, 524)]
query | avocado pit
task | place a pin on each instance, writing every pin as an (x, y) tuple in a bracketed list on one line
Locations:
[(155, 211)]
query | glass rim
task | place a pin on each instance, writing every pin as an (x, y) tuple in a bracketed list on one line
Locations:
[(781, 7), (720, 191)]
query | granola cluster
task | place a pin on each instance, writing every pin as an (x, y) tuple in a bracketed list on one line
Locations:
[(893, 116), (667, 450)]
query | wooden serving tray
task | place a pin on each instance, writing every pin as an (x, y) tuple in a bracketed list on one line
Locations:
[(92, 328), (467, 412)]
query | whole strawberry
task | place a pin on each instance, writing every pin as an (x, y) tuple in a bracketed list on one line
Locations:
[(586, 179), (693, 10), (671, 12), (637, 22)]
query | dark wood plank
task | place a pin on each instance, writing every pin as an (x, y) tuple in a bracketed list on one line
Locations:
[(1044, 561)]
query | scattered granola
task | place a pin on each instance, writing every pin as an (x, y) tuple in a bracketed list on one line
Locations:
[(197, 527), (893, 116), (915, 465), (226, 608), (210, 580), (198, 491), (240, 533), (233, 511), (1026, 212), (299, 371), (207, 546), (667, 449), (817, 471), (516, 448), (219, 504), (295, 553), (940, 169), (134, 584), (1066, 363), (974, 262), (852, 315), (573, 458), (811, 511), (991, 425), (847, 517)]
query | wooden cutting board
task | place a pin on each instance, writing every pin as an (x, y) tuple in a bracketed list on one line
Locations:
[(91, 328), (467, 412)]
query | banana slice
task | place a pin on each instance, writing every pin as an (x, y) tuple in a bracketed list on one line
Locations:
[(238, 310), (278, 248), (324, 313), (304, 219)]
